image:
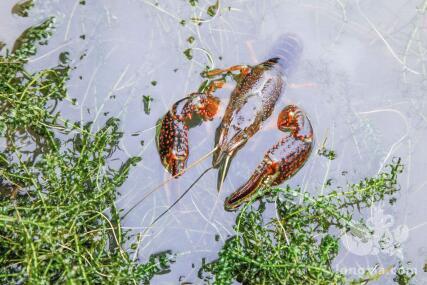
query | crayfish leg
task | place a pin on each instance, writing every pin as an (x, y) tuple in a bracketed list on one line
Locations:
[(242, 69)]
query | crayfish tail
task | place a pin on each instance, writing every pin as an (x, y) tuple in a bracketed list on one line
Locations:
[(287, 51)]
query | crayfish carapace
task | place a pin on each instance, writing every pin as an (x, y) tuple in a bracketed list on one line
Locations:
[(253, 100)]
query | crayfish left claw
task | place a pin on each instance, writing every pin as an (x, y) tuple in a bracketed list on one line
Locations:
[(172, 132)]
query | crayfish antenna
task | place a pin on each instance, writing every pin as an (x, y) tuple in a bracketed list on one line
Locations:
[(160, 186), (176, 201), (181, 196)]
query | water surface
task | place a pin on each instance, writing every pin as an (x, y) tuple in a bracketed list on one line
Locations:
[(361, 79)]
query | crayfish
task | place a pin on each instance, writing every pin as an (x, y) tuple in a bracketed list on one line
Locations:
[(251, 103)]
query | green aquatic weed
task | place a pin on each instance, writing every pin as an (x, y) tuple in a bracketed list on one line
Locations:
[(188, 53), (22, 8), (212, 10), (329, 154), (193, 2), (147, 99), (58, 219), (190, 39), (299, 242)]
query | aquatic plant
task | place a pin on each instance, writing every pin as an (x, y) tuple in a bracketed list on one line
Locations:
[(298, 244), (57, 181)]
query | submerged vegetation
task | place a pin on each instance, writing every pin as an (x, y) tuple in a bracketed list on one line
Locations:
[(299, 242), (58, 220), (58, 186)]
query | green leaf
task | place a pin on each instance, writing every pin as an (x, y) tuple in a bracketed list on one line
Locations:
[(188, 53), (22, 8), (213, 9)]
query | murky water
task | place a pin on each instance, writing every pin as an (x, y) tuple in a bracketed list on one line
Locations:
[(361, 79)]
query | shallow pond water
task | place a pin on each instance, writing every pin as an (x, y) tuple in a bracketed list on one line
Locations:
[(361, 80)]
